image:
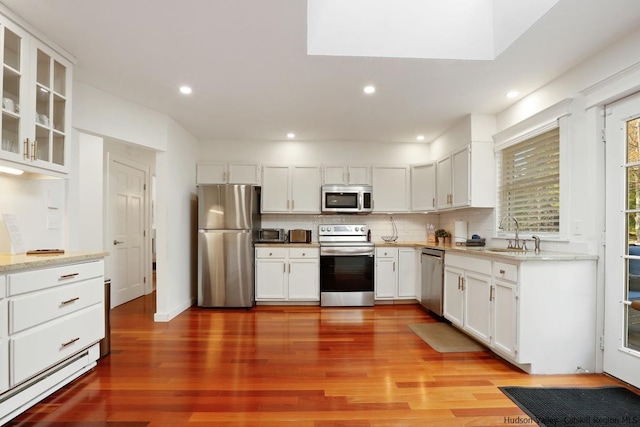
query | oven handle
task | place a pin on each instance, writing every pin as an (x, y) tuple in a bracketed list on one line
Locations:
[(347, 251)]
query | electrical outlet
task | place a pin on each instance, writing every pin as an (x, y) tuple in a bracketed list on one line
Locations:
[(53, 222), (577, 227)]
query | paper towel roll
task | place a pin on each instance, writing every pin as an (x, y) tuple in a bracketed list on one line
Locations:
[(460, 232)]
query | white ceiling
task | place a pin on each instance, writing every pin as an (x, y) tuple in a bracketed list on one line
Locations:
[(253, 80)]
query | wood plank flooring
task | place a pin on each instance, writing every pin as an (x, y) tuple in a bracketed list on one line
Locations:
[(287, 366)]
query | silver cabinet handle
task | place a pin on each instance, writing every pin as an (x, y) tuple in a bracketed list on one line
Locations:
[(68, 343), (68, 276), (69, 301), (117, 242)]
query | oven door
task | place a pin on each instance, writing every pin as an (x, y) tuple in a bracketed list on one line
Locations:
[(346, 269)]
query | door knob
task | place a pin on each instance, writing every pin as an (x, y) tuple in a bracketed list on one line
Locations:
[(117, 242)]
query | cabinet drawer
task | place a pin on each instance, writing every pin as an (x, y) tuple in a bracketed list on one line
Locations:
[(505, 271), (386, 252), (42, 347), (469, 263), (303, 253), (29, 281), (39, 307), (271, 252)]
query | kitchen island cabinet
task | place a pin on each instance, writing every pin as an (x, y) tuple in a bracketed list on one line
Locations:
[(536, 311), (52, 322)]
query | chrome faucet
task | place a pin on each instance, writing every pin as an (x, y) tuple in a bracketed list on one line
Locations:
[(536, 239), (517, 241)]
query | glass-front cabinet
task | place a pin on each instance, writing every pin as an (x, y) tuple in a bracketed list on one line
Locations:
[(36, 84)]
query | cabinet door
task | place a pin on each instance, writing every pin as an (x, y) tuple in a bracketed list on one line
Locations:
[(391, 189), (359, 175), (460, 178), (304, 281), (271, 279), (4, 347), (305, 189), (211, 173), (275, 189), (443, 183), (15, 91), (334, 175), (407, 272), (423, 188), (505, 317), (51, 80), (386, 275), (477, 314), (453, 302), (243, 173)]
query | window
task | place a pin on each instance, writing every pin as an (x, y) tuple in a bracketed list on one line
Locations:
[(529, 183)]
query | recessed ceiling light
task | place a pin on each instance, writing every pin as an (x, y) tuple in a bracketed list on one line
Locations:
[(369, 89), (512, 94), (420, 137), (291, 135), (185, 90)]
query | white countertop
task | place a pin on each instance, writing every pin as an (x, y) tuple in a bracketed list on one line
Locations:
[(23, 261)]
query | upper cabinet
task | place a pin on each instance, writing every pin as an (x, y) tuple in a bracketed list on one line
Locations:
[(423, 187), (390, 188), (228, 173), (332, 174), (290, 189), (36, 103), (466, 178)]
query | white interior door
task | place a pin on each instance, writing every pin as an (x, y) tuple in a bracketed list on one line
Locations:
[(127, 185), (622, 259)]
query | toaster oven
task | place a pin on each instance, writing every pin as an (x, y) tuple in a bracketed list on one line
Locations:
[(272, 235)]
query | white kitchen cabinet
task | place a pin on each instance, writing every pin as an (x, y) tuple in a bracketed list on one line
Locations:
[(287, 274), (390, 188), (467, 295), (228, 173), (423, 187), (342, 174), (395, 273), (466, 177), (505, 319), (290, 189), (4, 346), (36, 108)]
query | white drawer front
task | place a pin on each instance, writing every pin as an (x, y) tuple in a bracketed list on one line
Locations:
[(386, 252), (38, 307), (40, 348), (271, 252), (29, 281), (505, 271), (304, 253), (469, 263)]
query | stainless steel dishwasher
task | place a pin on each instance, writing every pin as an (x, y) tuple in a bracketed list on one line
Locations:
[(432, 280)]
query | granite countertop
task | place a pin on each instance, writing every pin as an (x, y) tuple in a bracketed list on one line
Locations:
[(486, 251), (288, 245), (23, 261)]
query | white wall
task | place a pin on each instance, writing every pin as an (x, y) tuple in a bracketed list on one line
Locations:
[(100, 113)]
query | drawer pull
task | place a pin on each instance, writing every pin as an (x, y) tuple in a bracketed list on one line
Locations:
[(502, 272), (68, 343), (69, 301), (68, 276)]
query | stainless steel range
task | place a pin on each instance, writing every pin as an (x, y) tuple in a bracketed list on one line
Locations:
[(346, 265)]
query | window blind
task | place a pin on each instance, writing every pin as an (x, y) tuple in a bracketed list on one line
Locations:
[(529, 184)]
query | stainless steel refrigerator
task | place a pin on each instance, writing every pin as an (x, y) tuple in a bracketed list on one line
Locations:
[(228, 223)]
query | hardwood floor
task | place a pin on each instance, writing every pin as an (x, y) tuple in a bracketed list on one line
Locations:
[(286, 366)]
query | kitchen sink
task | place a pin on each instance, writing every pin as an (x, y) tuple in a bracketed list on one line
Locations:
[(518, 250)]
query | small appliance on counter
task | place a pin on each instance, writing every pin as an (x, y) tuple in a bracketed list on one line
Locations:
[(272, 235), (299, 236)]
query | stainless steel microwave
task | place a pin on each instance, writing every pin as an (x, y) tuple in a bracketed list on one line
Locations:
[(355, 199)]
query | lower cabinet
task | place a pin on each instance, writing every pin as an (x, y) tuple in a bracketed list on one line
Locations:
[(467, 295), (52, 321), (4, 331), (538, 314), (396, 273), (287, 274)]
